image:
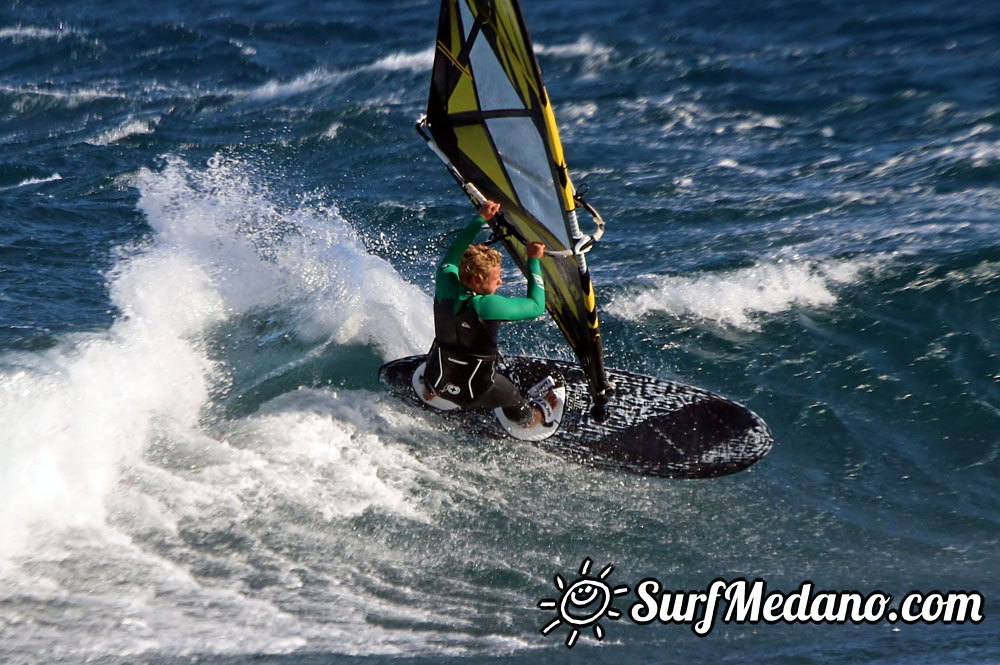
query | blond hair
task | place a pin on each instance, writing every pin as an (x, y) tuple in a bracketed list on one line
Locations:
[(477, 263)]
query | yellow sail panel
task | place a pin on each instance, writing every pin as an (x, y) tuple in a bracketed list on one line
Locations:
[(453, 26), (557, 155), (463, 98), (516, 52), (475, 144)]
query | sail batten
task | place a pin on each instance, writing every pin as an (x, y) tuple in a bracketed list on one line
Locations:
[(490, 118)]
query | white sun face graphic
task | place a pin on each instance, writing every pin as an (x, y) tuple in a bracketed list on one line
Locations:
[(583, 603)]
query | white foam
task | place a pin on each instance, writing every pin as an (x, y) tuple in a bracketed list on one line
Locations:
[(72, 98), (742, 298), (596, 56), (687, 111), (960, 148), (318, 78), (418, 61), (759, 121), (33, 181), (584, 46), (277, 532), (727, 163), (981, 128), (244, 49), (576, 113), (75, 414), (276, 500), (307, 258), (22, 33), (323, 450), (980, 154), (131, 127), (312, 80)]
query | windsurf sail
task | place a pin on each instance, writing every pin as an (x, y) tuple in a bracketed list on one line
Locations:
[(490, 119)]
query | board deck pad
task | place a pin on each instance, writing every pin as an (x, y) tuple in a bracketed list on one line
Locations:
[(652, 426)]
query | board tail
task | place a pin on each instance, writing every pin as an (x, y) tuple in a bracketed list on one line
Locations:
[(419, 388)]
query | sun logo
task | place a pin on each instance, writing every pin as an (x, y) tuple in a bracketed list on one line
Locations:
[(583, 603)]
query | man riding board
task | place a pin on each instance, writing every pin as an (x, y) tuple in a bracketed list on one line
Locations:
[(461, 365)]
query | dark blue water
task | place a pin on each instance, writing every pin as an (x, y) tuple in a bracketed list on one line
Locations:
[(216, 221)]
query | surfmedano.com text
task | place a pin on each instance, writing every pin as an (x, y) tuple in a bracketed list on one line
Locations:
[(741, 601)]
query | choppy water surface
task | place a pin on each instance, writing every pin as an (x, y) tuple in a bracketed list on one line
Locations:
[(216, 222)]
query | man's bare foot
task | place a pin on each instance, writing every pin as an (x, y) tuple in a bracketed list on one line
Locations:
[(553, 401)]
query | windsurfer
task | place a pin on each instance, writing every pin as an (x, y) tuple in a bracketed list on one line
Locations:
[(461, 365)]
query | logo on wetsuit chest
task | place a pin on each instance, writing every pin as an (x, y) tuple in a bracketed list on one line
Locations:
[(451, 389), (466, 325)]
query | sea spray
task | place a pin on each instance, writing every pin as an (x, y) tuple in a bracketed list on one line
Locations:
[(740, 297), (220, 247)]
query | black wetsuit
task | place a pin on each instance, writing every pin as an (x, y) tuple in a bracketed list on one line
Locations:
[(461, 365)]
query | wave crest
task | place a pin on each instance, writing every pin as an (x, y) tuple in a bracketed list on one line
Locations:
[(742, 298)]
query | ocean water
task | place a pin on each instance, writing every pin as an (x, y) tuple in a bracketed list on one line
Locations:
[(216, 222)]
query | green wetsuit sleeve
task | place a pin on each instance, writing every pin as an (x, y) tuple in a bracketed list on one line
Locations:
[(446, 283), (500, 308)]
